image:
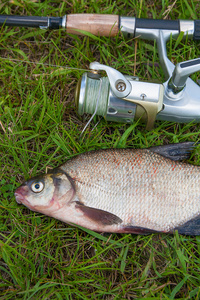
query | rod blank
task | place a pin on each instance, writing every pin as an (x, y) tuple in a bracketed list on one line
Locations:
[(31, 21)]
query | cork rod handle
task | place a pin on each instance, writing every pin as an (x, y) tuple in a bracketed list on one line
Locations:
[(100, 25)]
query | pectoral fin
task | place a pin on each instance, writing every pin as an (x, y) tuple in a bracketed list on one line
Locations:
[(98, 216)]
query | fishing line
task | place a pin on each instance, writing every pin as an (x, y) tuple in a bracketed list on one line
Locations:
[(97, 103), (44, 64), (70, 68)]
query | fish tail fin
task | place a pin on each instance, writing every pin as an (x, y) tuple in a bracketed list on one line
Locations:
[(179, 151)]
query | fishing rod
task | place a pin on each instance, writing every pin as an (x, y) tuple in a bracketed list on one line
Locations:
[(123, 98)]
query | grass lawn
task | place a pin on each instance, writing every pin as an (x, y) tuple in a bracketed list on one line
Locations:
[(40, 257)]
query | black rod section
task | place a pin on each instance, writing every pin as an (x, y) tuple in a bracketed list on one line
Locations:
[(157, 24), (197, 30), (31, 21)]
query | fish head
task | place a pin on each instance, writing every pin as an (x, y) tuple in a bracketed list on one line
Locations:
[(46, 192)]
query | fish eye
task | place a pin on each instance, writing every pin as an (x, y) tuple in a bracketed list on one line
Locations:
[(37, 187)]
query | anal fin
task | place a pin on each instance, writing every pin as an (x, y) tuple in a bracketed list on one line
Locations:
[(138, 230)]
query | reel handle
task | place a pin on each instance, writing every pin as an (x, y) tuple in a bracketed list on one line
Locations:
[(181, 73)]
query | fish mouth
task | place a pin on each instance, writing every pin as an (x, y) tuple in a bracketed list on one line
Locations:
[(20, 194), (18, 197)]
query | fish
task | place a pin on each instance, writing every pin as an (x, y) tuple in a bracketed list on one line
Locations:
[(139, 191)]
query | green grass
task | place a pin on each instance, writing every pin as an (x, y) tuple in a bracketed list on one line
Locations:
[(40, 257)]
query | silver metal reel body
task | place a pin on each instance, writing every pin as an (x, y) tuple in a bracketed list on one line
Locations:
[(125, 98)]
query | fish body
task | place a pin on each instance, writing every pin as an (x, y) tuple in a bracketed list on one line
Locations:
[(121, 190)]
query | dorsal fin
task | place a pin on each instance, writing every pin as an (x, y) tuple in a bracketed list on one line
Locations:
[(179, 151)]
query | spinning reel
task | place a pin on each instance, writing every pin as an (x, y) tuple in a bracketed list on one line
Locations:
[(123, 98), (126, 99)]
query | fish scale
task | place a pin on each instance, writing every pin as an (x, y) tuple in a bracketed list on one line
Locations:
[(157, 191), (121, 190)]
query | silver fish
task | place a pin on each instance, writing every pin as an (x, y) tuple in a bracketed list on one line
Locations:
[(121, 190)]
